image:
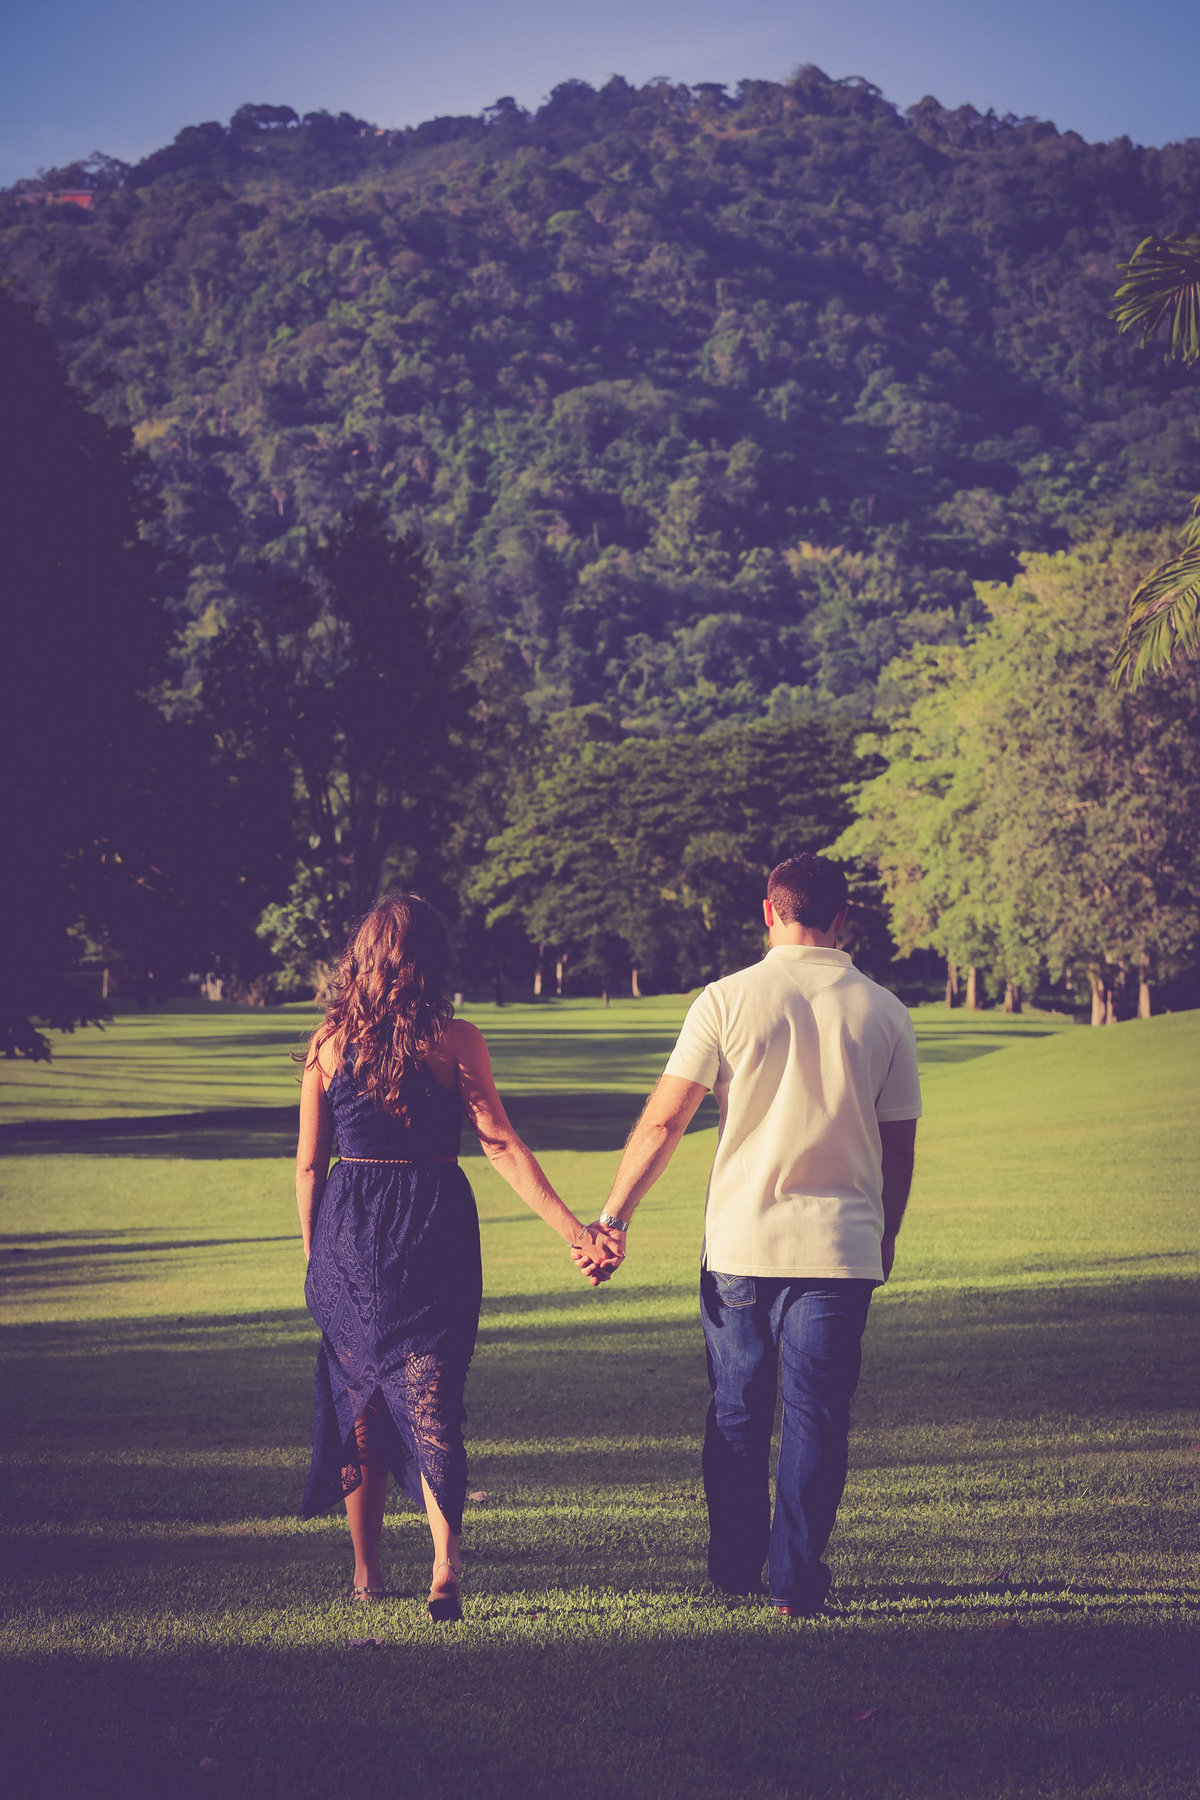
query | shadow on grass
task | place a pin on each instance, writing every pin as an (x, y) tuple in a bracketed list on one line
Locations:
[(1062, 1708), (583, 1040), (54, 1251), (593, 1119), (960, 1047), (246, 1131), (930, 1035)]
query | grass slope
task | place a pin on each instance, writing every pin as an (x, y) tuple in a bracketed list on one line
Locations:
[(1017, 1606)]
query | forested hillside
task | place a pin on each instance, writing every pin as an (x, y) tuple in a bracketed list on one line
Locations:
[(711, 402), (543, 504)]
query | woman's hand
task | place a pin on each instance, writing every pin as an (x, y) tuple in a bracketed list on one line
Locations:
[(598, 1252)]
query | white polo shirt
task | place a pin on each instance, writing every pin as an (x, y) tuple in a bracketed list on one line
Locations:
[(805, 1056)]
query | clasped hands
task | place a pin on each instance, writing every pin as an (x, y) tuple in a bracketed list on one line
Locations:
[(598, 1252)]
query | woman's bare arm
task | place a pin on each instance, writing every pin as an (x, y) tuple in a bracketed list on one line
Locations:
[(312, 1151), (463, 1045)]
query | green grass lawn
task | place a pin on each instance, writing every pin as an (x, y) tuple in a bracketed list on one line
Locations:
[(1017, 1596)]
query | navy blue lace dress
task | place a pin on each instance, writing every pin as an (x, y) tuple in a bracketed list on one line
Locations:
[(394, 1282)]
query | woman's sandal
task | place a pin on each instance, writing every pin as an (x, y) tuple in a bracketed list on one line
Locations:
[(360, 1595), (445, 1609)]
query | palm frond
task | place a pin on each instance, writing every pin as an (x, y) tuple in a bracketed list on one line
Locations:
[(1189, 537), (1163, 616), (1162, 282)]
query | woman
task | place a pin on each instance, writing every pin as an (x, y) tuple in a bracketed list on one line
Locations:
[(392, 1237)]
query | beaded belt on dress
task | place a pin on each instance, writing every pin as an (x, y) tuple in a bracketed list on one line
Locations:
[(399, 1161)]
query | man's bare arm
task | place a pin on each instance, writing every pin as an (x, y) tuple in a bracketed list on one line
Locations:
[(898, 1138), (665, 1117)]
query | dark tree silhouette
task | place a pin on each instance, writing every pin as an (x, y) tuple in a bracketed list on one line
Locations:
[(82, 635), (354, 676)]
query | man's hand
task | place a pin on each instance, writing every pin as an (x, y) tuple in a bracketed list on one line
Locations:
[(887, 1249), (599, 1252)]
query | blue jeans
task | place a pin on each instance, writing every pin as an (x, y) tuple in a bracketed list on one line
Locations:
[(752, 1324)]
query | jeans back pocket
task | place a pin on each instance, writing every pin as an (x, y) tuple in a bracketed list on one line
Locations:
[(734, 1290)]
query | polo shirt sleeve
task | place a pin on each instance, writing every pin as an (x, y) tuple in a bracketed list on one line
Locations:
[(900, 1095), (697, 1052)]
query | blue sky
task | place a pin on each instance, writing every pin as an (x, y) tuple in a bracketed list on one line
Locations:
[(124, 76)]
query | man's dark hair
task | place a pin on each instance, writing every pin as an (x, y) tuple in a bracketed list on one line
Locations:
[(808, 890)]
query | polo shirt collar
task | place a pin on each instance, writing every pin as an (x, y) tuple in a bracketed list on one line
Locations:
[(813, 953)]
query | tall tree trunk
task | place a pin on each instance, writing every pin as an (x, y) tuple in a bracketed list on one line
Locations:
[(537, 972), (1144, 1006), (1117, 995), (951, 984), (560, 969), (605, 997), (972, 999), (1012, 997), (1099, 997), (634, 987)]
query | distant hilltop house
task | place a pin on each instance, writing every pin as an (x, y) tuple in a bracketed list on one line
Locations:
[(32, 196)]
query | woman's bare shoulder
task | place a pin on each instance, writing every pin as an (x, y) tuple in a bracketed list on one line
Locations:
[(461, 1039), (321, 1052), (456, 1053)]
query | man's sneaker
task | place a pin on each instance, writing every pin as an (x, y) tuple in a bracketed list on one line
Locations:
[(802, 1609)]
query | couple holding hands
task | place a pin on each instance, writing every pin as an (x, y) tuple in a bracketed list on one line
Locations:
[(814, 1070)]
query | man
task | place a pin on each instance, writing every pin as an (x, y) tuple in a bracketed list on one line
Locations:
[(814, 1069)]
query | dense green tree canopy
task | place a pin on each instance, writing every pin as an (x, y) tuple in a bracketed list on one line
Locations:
[(1027, 816), (649, 857), (714, 402), (354, 683)]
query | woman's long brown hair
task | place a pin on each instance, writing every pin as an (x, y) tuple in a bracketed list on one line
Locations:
[(389, 1005)]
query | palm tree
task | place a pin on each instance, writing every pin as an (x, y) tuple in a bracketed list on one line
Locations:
[(1162, 284)]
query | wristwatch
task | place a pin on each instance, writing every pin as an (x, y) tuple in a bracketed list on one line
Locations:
[(611, 1223)]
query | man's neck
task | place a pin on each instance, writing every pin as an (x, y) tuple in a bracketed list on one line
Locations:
[(801, 934)]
